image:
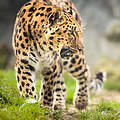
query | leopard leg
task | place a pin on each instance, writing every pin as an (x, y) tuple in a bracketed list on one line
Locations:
[(25, 74), (60, 90), (76, 66), (48, 83), (52, 93)]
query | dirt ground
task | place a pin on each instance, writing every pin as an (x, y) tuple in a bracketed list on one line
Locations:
[(106, 96), (72, 113)]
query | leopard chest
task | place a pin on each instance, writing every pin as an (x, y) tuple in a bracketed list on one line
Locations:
[(43, 62)]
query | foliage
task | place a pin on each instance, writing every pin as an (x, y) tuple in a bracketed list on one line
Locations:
[(113, 32), (5, 55)]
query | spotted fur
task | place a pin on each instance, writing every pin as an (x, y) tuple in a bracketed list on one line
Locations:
[(47, 38)]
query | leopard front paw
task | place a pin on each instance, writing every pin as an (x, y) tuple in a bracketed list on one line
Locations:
[(59, 107), (80, 104)]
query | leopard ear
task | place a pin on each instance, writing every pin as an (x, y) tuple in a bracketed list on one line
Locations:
[(56, 18)]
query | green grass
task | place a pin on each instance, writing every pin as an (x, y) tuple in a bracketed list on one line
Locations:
[(13, 107), (70, 83), (103, 111)]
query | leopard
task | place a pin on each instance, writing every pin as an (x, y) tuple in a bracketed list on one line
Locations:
[(47, 38)]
